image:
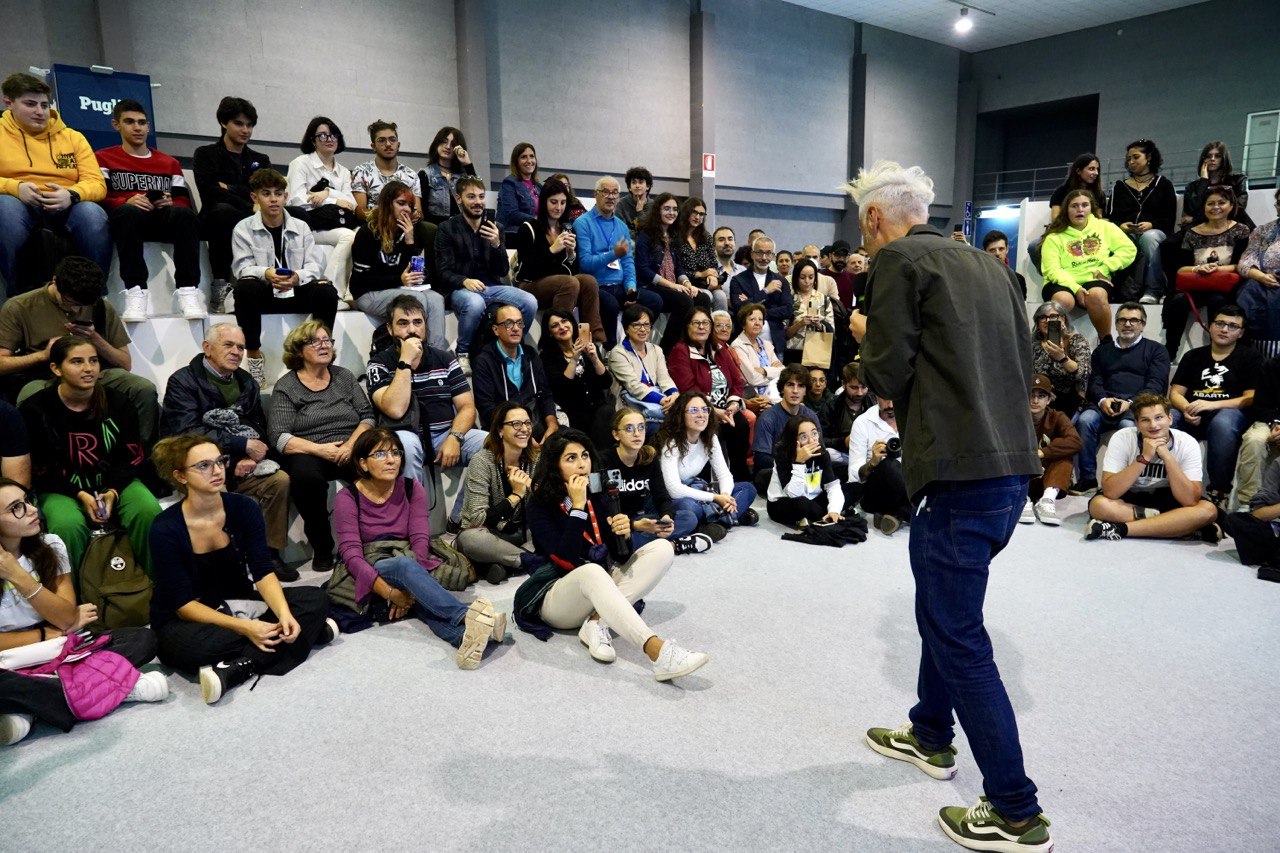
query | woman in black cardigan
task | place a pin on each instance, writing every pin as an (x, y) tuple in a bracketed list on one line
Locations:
[(577, 374)]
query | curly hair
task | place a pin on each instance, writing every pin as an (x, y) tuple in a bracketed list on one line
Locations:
[(672, 433)]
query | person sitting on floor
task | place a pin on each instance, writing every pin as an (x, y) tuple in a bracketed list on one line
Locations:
[(1255, 529), (1260, 445), (1058, 445), (1151, 481), (495, 531), (382, 507), (585, 584), (803, 488), (841, 409), (875, 461), (793, 382)]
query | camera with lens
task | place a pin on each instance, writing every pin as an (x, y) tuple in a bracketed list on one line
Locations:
[(893, 448)]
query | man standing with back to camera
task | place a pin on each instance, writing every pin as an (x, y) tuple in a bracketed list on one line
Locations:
[(967, 463)]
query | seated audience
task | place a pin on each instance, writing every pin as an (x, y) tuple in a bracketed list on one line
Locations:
[(1254, 529), (1260, 444), (700, 363), (15, 450), (639, 368), (518, 194), (214, 396), (38, 603), (818, 394), (726, 265), (222, 171), (695, 252), (996, 244), (318, 410), (472, 262), (1259, 294), (1143, 205), (370, 177), (811, 313), (218, 607), (1081, 253), (508, 368), (148, 201), (634, 206), (1211, 393), (495, 531), (575, 370), (573, 208), (756, 356), (447, 162), (785, 261), (1121, 369), (838, 412), (843, 273), (793, 383), (384, 540), (803, 488), (1206, 259), (1151, 481), (1083, 174), (1214, 169), (632, 465), (48, 179), (547, 252), (383, 265), (1058, 445), (320, 195), (421, 390), (763, 286), (277, 268), (1062, 354), (87, 454), (689, 448), (72, 304), (658, 267), (587, 582), (877, 466)]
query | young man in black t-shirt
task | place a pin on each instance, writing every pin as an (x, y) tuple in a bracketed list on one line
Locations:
[(1211, 390)]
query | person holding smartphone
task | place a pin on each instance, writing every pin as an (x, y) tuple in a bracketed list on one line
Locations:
[(575, 368), (803, 487), (1062, 354)]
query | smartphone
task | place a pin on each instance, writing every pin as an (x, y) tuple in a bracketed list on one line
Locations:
[(82, 315), (320, 186), (154, 196), (584, 332), (487, 216), (1055, 332), (417, 264), (284, 271)]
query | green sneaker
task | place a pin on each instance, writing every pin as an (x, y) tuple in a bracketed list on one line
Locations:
[(902, 744), (983, 828)]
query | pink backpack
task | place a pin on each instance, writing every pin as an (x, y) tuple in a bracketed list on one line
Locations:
[(95, 681)]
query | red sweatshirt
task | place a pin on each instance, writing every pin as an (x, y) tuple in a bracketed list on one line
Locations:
[(127, 175)]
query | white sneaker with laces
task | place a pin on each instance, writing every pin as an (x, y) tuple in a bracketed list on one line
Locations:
[(676, 662), (189, 303), (151, 687), (135, 305), (14, 727), (595, 635), (1047, 512), (1028, 514), (1149, 299), (257, 368)]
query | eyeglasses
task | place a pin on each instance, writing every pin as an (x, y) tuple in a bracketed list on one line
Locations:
[(511, 324), (519, 426), (390, 453), (634, 428), (723, 326), (1225, 326), (699, 324), (807, 437), (701, 214), (385, 140), (206, 466), (326, 137), (610, 194), (641, 326), (319, 343), (1130, 321), (762, 253), (699, 410), (21, 508)]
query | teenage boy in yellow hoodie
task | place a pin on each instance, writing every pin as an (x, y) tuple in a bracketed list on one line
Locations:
[(48, 176)]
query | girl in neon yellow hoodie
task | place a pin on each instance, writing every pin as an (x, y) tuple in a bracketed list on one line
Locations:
[(1079, 255)]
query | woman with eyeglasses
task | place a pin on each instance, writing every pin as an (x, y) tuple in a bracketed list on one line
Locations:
[(700, 363), (695, 252), (576, 370), (495, 533), (318, 410), (218, 608), (658, 267), (320, 195), (384, 540), (1059, 352), (689, 446), (759, 363), (87, 454), (1080, 256), (639, 368), (1259, 268), (1143, 205), (803, 487), (590, 581)]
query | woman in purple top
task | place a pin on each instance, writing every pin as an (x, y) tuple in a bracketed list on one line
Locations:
[(383, 505)]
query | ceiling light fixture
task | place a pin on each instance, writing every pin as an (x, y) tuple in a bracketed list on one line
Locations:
[(964, 23)]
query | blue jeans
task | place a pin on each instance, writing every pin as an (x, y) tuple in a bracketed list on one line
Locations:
[(955, 533), (1223, 430), (743, 494), (85, 221), (469, 307), (434, 604), (685, 522), (1090, 424), (415, 458), (1148, 273)]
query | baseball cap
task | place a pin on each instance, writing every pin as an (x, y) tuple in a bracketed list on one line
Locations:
[(1040, 382)]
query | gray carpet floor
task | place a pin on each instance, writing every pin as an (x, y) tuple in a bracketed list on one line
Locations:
[(1144, 675)]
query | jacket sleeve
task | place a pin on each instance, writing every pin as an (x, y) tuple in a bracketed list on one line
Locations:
[(300, 182), (447, 259), (45, 478), (779, 306), (510, 194), (486, 378), (205, 167), (893, 329), (827, 422), (499, 262), (524, 242), (312, 258), (560, 539), (646, 268), (1163, 212), (1122, 249), (591, 257), (680, 367), (660, 374), (244, 264), (623, 367), (477, 483), (1095, 390), (1065, 442), (89, 183)]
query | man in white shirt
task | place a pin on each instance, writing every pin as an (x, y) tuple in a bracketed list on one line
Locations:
[(1151, 481), (874, 443)]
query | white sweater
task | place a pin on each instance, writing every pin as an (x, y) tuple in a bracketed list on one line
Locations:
[(676, 472)]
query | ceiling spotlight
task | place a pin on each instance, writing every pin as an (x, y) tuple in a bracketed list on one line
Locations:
[(964, 23)]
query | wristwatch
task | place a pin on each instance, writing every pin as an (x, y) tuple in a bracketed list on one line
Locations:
[(404, 365), (75, 196), (457, 435)]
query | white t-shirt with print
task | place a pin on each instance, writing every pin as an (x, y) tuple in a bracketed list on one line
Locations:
[(16, 613), (1125, 446)]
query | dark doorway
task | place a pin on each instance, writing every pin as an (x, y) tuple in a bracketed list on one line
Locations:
[(1030, 147)]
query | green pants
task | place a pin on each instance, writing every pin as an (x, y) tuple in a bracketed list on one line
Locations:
[(135, 511), (136, 389)]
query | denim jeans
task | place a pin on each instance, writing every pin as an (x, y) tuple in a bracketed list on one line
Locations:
[(86, 222), (1223, 430), (435, 605), (376, 302), (1148, 274), (743, 495), (685, 522), (1090, 424), (415, 458), (957, 530), (469, 308)]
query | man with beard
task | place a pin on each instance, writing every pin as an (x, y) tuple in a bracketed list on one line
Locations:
[(726, 247), (837, 414), (877, 465)]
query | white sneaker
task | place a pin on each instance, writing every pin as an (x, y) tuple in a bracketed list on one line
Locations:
[(14, 727), (499, 633), (464, 362), (1047, 512), (257, 368), (478, 629), (595, 635), (1028, 514), (189, 303), (675, 662), (135, 305), (1149, 299), (151, 687)]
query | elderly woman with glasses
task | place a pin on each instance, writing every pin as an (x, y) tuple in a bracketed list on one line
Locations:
[(639, 368), (1062, 354), (318, 410)]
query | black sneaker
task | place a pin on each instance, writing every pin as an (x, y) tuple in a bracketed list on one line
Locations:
[(1269, 572), (497, 573), (695, 543), (715, 532), (1103, 530), (750, 518), (216, 680), (1083, 487), (283, 572), (452, 528), (322, 563), (328, 633)]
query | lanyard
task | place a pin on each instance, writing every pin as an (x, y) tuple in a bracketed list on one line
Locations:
[(591, 516)]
